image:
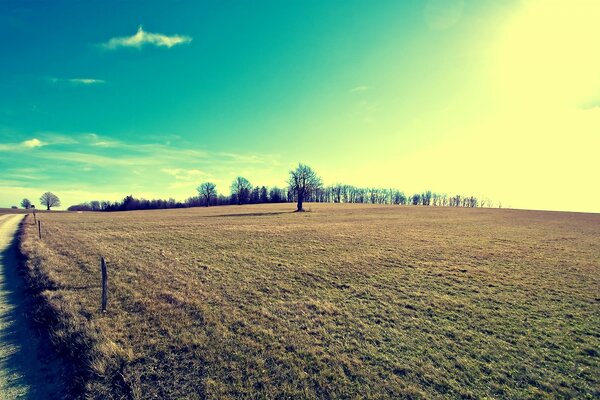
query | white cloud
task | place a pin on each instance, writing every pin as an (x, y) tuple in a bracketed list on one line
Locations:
[(27, 144), (32, 143), (142, 38)]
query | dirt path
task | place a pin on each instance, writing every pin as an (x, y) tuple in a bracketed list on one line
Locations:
[(28, 369)]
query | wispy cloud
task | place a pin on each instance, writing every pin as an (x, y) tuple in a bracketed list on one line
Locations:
[(359, 89), (98, 141), (157, 151), (88, 159), (142, 38), (86, 81), (186, 175), (32, 174), (243, 158), (56, 138), (26, 144), (90, 162), (77, 81)]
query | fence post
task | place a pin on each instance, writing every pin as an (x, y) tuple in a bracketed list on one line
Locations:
[(104, 284), (34, 217), (40, 229)]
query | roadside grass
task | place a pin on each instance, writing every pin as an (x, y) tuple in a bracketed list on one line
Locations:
[(346, 301)]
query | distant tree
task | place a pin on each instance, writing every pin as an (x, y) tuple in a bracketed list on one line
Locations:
[(416, 199), (208, 191), (240, 190), (455, 201), (426, 198), (95, 205), (222, 199), (50, 200), (25, 203), (255, 195), (398, 197), (80, 207), (128, 203), (193, 201), (372, 195), (302, 182), (14, 207), (264, 197), (276, 195), (472, 201), (444, 200), (337, 193)]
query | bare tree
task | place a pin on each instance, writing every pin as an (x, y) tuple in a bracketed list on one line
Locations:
[(25, 203), (50, 200), (303, 181), (240, 188), (208, 190)]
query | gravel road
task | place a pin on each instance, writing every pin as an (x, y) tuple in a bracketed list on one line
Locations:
[(28, 368)]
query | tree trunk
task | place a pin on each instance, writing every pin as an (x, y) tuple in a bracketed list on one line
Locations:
[(47, 208), (300, 200)]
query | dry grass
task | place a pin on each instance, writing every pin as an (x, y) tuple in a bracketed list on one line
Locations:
[(12, 211), (4, 211), (345, 301)]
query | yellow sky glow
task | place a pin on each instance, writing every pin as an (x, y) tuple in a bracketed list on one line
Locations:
[(536, 143)]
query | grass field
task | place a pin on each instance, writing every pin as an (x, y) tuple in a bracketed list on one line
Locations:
[(344, 301), (12, 211)]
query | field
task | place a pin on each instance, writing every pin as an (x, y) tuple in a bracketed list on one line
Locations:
[(4, 211), (344, 301)]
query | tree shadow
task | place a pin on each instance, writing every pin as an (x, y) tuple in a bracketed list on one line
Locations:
[(29, 367)]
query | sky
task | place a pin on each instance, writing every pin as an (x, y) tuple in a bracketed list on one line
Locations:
[(496, 99)]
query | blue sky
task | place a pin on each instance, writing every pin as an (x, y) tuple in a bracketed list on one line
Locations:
[(473, 97)]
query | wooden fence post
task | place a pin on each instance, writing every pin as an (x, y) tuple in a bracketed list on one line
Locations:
[(40, 229), (34, 217), (104, 284)]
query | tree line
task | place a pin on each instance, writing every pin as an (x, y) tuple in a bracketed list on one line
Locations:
[(303, 185)]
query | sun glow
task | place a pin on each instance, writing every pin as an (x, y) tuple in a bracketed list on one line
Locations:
[(549, 55), (546, 84)]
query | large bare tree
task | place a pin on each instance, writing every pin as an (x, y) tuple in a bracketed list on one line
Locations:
[(240, 188), (208, 191), (50, 200), (303, 181)]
